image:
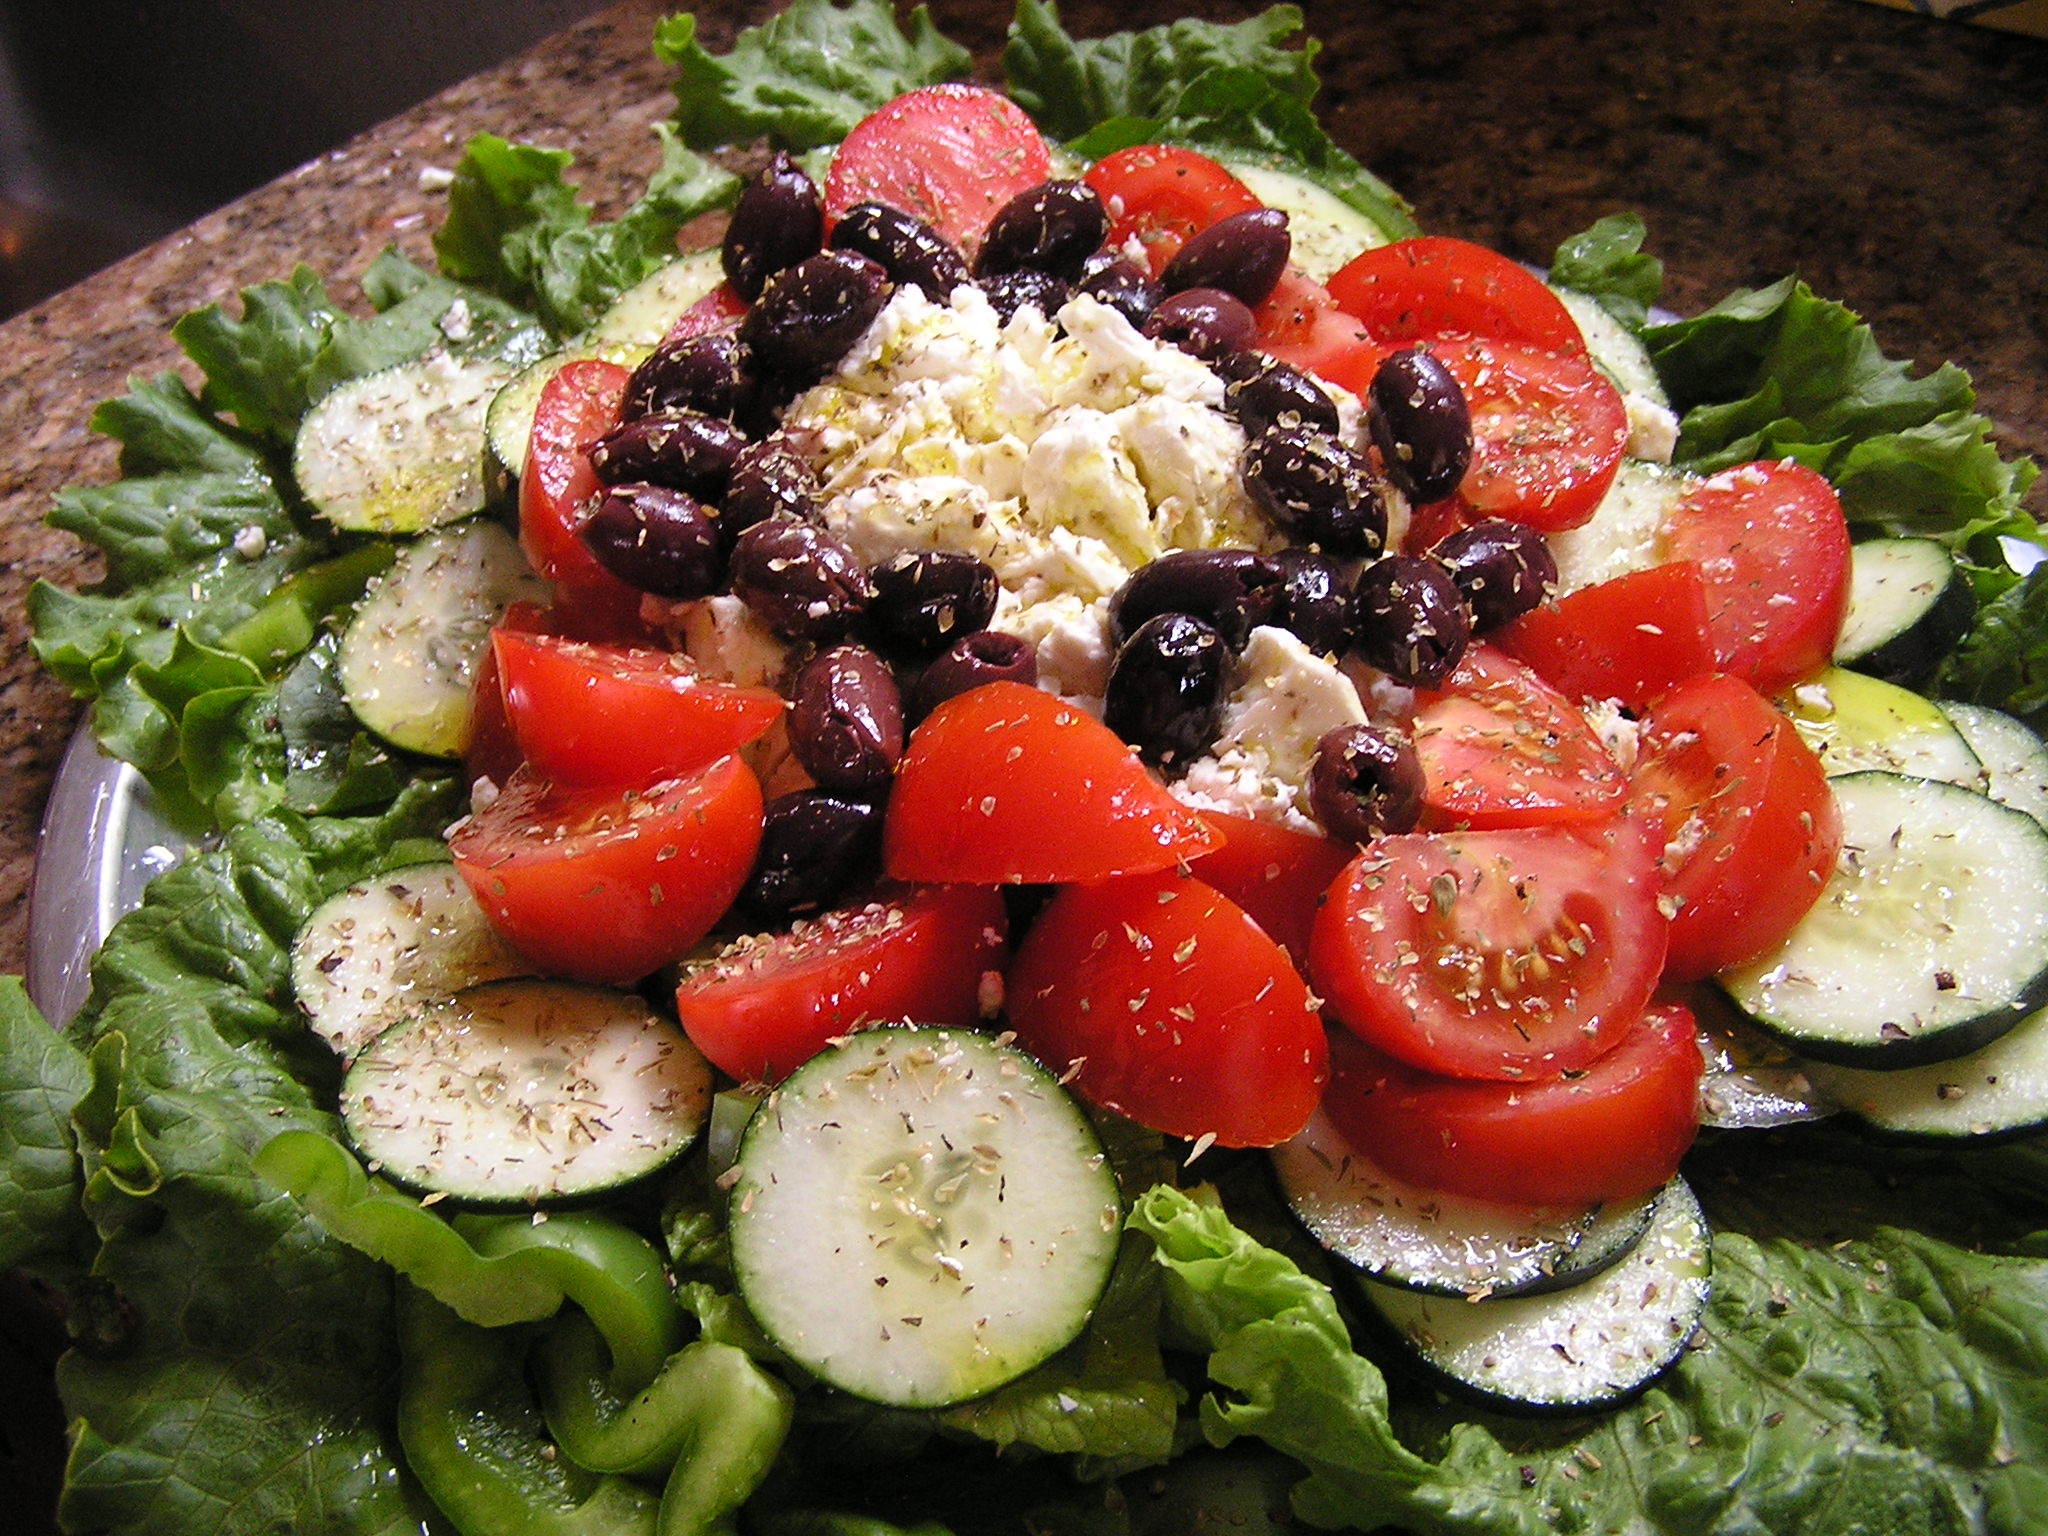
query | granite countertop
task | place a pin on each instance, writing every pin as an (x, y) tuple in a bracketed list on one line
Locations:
[(1894, 161)]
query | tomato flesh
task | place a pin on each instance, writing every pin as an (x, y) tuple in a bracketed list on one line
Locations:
[(1300, 324), (1275, 873), (1503, 955), (605, 885), (770, 1003), (578, 405), (1548, 432), (1632, 638), (1612, 1131), (1434, 286), (1172, 1007), (1161, 196)]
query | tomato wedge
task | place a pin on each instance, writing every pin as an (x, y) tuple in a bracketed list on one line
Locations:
[(1300, 323), (1500, 747), (1170, 1006), (1773, 549), (1006, 784), (1278, 875), (1503, 955), (1612, 1131), (1632, 638), (1160, 196), (771, 1002), (1749, 827), (1548, 432), (719, 310), (620, 715), (1434, 286), (950, 155), (606, 885), (576, 406)]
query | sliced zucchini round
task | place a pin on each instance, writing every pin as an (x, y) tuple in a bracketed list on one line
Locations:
[(1423, 1240), (522, 1092), (1854, 723), (1929, 940), (2015, 762), (1593, 1346), (1909, 603), (408, 658), (374, 952), (922, 1215), (2000, 1090)]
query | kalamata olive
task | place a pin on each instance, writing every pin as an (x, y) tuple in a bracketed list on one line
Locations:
[(1243, 255), (684, 450), (1317, 490), (926, 599), (804, 581), (1265, 392), (777, 222), (1009, 292), (809, 316), (1229, 589), (1418, 419), (768, 479), (815, 847), (657, 540), (1502, 569), (1412, 624), (1366, 782), (1206, 322), (1165, 691), (986, 656), (1316, 601), (1052, 227), (846, 720), (907, 249), (1123, 285), (710, 373)]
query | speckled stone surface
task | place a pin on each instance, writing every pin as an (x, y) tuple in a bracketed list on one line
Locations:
[(1896, 162)]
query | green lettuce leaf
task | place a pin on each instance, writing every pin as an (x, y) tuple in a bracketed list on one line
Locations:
[(42, 1077), (2003, 661), (805, 77), (1607, 263)]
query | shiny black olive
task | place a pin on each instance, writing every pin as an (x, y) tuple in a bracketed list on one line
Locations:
[(846, 720), (1317, 490), (815, 847), (1412, 624), (768, 479), (777, 222), (1316, 603), (1264, 392), (1009, 292), (710, 373), (684, 450), (809, 316), (1418, 419), (1501, 568), (907, 249), (926, 599), (1229, 589), (1053, 227), (805, 582), (1123, 285), (1206, 322), (1166, 687), (986, 656), (657, 540), (1243, 255), (1366, 782)]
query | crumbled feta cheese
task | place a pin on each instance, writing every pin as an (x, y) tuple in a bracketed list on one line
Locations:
[(1652, 428)]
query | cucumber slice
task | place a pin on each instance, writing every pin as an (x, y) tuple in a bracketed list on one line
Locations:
[(372, 953), (397, 451), (922, 1215), (1326, 232), (1909, 603), (519, 1092), (408, 658), (2000, 1090), (1929, 940), (1625, 532), (1423, 1240), (1593, 1346), (2015, 762), (1855, 723), (1615, 349)]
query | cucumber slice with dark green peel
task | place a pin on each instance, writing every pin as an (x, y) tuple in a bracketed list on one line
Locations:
[(1930, 939), (397, 451), (2001, 1090), (516, 1093), (1422, 1240), (2015, 761), (1593, 1346), (1324, 231), (376, 951), (921, 1215), (408, 658), (1856, 723), (1909, 603)]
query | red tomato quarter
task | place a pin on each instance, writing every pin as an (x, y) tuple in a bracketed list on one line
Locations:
[(1773, 550), (769, 1003), (1171, 1007), (1160, 196), (950, 155), (619, 715), (605, 885), (1612, 1131), (1006, 784), (1548, 432), (1276, 874), (1300, 323), (1503, 955), (1749, 827), (578, 405), (1630, 639), (1434, 286), (719, 310)]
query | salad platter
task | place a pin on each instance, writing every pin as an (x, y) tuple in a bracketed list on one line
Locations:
[(1354, 535)]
